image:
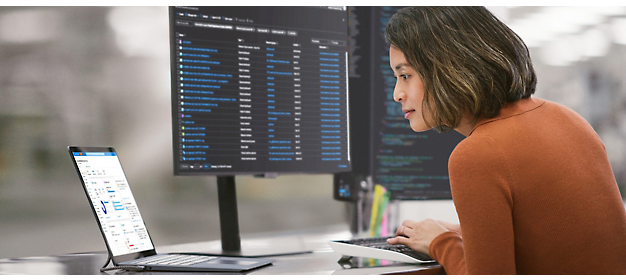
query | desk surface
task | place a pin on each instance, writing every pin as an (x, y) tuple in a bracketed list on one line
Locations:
[(322, 260)]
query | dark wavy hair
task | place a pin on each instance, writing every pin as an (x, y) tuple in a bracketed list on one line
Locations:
[(468, 60)]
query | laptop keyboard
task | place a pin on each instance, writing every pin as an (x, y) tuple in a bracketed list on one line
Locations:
[(184, 260)]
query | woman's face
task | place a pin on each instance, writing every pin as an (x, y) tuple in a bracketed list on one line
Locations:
[(409, 90)]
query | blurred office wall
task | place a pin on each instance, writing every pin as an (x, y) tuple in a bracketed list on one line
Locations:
[(580, 58), (99, 76)]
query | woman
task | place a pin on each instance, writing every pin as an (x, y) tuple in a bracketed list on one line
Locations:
[(531, 183)]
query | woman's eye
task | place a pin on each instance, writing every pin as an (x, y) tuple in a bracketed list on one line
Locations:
[(404, 77)]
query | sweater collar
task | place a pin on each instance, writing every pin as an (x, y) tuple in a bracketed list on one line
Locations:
[(512, 109)]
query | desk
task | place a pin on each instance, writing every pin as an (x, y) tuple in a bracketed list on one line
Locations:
[(322, 260)]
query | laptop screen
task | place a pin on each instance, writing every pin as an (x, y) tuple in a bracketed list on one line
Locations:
[(113, 202)]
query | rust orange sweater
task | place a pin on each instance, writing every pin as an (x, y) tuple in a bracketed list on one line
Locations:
[(535, 194)]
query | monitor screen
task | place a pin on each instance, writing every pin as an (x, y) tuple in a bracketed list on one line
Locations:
[(413, 165), (259, 90), (386, 151)]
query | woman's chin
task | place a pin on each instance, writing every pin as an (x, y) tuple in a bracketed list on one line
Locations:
[(421, 127)]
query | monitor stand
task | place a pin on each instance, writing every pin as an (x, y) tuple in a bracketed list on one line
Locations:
[(229, 228)]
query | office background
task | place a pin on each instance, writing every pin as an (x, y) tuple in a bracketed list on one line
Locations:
[(99, 76)]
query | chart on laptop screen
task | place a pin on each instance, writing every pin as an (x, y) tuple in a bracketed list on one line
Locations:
[(113, 202)]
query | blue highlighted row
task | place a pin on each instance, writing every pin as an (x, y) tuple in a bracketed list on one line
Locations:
[(197, 49), (194, 55), (200, 61), (278, 61), (206, 74), (331, 154), (207, 98), (193, 128), (195, 110), (194, 159), (279, 113), (279, 73), (329, 65), (195, 147), (280, 159), (196, 91), (194, 153), (193, 140), (329, 53), (193, 134), (195, 67), (329, 59), (92, 154), (281, 154), (329, 70), (204, 80), (199, 86), (198, 104)]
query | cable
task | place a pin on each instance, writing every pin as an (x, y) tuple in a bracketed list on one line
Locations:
[(103, 269), (124, 267)]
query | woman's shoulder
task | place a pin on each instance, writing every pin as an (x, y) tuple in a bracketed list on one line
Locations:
[(475, 150)]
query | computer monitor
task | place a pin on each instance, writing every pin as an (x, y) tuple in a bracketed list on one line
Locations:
[(412, 165), (258, 91)]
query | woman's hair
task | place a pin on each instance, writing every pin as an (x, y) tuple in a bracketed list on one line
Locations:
[(468, 60)]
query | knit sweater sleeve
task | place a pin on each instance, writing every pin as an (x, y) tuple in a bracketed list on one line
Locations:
[(482, 193)]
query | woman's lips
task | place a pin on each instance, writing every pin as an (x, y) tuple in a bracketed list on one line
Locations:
[(406, 115)]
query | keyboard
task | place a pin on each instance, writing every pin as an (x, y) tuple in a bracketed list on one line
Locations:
[(184, 260), (378, 248)]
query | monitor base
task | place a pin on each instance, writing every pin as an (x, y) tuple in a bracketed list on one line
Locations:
[(275, 246)]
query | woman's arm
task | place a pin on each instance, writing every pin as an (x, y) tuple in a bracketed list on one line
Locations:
[(482, 194)]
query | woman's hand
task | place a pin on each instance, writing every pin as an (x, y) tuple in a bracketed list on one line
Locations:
[(418, 235)]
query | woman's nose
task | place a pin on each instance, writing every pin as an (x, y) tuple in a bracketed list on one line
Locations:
[(398, 94)]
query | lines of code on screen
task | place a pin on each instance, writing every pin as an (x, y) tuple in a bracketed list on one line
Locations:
[(412, 165)]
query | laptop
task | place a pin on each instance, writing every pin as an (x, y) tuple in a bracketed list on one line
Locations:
[(125, 234)]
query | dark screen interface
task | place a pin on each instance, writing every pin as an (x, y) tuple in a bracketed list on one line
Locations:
[(412, 165), (259, 90)]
